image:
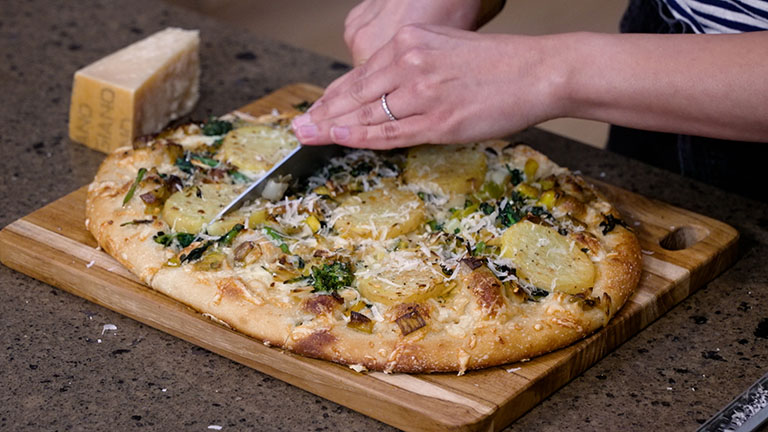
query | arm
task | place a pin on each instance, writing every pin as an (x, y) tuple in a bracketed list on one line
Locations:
[(709, 85), (446, 85)]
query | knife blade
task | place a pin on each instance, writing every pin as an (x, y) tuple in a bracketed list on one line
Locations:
[(748, 412), (300, 163)]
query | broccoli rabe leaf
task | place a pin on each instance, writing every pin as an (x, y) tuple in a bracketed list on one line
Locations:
[(332, 277), (215, 127), (184, 239), (516, 176), (196, 253), (227, 238)]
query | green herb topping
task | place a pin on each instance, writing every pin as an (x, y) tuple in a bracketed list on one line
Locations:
[(196, 253), (184, 165), (516, 176), (184, 239), (486, 208), (274, 235), (227, 238), (132, 190), (208, 161), (479, 249), (512, 212), (332, 277), (434, 226), (238, 177), (215, 127), (137, 222), (361, 169)]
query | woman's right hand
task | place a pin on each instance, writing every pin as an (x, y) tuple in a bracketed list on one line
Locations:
[(442, 86), (372, 23)]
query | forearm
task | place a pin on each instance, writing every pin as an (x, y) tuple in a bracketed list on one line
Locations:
[(710, 85)]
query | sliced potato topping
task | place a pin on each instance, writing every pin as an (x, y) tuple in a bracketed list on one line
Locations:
[(380, 213), (454, 169), (400, 277), (189, 209), (547, 259), (256, 148)]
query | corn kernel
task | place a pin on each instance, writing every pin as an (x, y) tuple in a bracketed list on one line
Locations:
[(547, 183), (173, 262), (313, 223), (547, 199), (491, 190), (527, 190), (531, 166), (461, 214), (257, 218), (322, 190)]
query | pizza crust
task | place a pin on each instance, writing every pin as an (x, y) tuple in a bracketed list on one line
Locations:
[(484, 325)]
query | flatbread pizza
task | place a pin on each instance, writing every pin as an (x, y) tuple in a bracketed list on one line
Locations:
[(428, 259)]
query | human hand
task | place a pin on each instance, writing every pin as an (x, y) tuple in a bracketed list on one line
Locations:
[(443, 85), (372, 23)]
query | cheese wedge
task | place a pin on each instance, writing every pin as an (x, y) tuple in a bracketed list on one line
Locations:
[(135, 91)]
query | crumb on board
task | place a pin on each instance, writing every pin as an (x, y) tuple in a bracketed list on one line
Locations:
[(108, 327)]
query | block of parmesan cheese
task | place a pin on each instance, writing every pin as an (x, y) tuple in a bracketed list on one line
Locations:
[(135, 91)]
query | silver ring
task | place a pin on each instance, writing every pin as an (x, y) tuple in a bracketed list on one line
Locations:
[(386, 108)]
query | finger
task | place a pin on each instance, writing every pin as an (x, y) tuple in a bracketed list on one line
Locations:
[(372, 113), (402, 133), (355, 13), (399, 104), (358, 94), (381, 59)]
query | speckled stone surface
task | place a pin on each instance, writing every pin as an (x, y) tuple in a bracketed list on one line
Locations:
[(61, 373)]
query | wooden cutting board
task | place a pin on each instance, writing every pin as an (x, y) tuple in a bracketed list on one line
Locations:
[(682, 250)]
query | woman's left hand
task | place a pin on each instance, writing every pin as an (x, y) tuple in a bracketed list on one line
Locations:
[(443, 85)]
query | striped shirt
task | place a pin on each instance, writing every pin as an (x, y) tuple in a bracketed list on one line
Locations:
[(720, 16)]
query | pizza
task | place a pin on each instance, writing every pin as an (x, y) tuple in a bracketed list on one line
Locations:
[(426, 259)]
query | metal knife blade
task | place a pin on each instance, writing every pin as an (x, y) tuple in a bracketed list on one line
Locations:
[(747, 413), (300, 163)]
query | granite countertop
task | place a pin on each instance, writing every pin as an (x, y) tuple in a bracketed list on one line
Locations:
[(60, 372)]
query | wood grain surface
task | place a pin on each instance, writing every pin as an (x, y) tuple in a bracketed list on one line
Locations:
[(682, 250)]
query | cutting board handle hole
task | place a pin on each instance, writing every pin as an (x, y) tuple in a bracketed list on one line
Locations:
[(683, 237)]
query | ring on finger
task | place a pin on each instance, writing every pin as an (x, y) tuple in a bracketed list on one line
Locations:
[(386, 108)]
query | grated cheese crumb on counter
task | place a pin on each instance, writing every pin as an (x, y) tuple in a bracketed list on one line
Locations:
[(108, 327)]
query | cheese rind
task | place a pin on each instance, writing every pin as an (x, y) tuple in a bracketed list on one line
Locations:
[(135, 91)]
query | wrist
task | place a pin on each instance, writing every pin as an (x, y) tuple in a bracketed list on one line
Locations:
[(552, 65), (560, 69), (578, 73)]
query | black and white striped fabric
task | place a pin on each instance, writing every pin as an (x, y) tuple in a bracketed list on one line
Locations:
[(721, 16)]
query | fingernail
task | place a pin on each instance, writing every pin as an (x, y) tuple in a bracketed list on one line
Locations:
[(340, 133), (298, 121), (307, 131)]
